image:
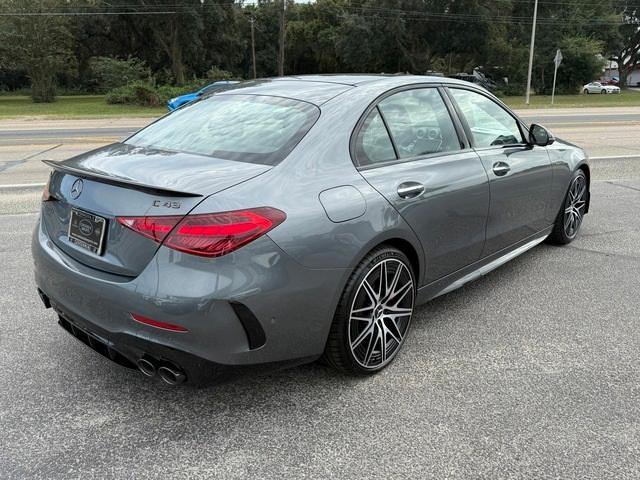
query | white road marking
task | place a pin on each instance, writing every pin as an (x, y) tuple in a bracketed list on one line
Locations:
[(614, 157), (21, 185)]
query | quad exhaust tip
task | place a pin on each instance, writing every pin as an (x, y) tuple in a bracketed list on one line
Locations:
[(147, 368), (169, 374)]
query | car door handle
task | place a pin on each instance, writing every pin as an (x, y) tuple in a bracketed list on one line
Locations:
[(410, 189), (500, 169)]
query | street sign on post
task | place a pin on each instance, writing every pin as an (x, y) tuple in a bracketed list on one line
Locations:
[(557, 61)]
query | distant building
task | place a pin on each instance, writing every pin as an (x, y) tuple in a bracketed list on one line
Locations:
[(610, 72)]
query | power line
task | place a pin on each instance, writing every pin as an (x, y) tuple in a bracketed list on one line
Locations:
[(367, 11)]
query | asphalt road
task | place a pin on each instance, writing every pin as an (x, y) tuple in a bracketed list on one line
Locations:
[(529, 372), (15, 132), (582, 116)]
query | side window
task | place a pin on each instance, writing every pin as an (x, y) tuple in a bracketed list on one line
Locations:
[(373, 144), (419, 122), (490, 124)]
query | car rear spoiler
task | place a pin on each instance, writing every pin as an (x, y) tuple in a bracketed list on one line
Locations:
[(118, 181)]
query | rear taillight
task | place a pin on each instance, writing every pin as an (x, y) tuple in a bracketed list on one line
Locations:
[(208, 235), (155, 228), (46, 194)]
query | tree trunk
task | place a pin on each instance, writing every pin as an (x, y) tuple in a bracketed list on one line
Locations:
[(177, 67), (173, 49), (623, 74), (43, 85)]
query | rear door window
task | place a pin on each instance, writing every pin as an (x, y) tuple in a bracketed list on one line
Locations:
[(248, 128), (419, 123)]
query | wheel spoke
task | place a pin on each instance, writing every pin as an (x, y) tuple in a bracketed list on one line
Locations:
[(365, 333), (383, 345), (364, 309), (398, 311), (567, 219), (394, 282), (371, 346), (382, 291), (401, 293), (370, 292), (394, 331)]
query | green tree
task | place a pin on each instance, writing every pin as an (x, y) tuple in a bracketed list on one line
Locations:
[(109, 73), (38, 44), (626, 47), (171, 36), (581, 64)]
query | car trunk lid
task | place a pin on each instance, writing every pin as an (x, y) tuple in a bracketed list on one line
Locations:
[(123, 180)]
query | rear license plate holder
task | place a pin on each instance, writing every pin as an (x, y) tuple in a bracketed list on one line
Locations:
[(87, 230)]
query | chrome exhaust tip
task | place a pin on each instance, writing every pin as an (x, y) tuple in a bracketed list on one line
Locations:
[(147, 368), (171, 375)]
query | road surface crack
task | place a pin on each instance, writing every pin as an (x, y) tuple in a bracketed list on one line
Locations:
[(624, 186), (12, 163)]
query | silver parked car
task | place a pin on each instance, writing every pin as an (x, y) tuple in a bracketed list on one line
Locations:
[(597, 87), (290, 219)]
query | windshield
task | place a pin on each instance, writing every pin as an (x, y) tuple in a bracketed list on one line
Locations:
[(249, 128)]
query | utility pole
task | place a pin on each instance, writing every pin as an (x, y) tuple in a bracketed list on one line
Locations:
[(281, 52), (252, 20), (556, 62), (533, 41)]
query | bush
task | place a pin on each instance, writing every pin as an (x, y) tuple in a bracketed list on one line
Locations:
[(167, 92), (136, 93), (510, 90), (109, 73), (148, 95), (214, 74)]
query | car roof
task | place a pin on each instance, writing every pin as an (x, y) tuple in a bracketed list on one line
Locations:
[(318, 89)]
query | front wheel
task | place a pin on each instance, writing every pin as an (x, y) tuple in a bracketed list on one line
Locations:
[(586, 92), (570, 217), (603, 92), (373, 317)]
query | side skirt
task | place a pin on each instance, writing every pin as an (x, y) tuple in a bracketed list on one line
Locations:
[(480, 268)]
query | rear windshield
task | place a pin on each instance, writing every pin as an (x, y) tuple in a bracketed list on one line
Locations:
[(247, 128)]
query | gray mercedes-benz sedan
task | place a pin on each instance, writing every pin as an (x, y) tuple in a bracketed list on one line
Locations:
[(284, 220)]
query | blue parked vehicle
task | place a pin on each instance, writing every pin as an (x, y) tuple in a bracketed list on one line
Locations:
[(177, 102)]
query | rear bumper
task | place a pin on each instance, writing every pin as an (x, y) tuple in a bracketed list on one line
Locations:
[(126, 350), (291, 306)]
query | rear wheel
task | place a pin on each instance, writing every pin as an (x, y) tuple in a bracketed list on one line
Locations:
[(572, 212), (374, 313), (586, 91)]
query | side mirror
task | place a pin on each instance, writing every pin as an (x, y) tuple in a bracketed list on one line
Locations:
[(538, 135)]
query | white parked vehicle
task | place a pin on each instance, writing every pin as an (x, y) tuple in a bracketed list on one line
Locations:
[(597, 87)]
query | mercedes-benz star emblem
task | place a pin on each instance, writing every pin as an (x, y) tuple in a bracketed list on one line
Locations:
[(76, 188)]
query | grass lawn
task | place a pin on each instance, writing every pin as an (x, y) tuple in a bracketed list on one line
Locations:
[(83, 106), (629, 98), (94, 106)]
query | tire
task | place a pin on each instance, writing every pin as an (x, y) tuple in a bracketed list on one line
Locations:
[(566, 229), (355, 343), (586, 92), (603, 92)]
